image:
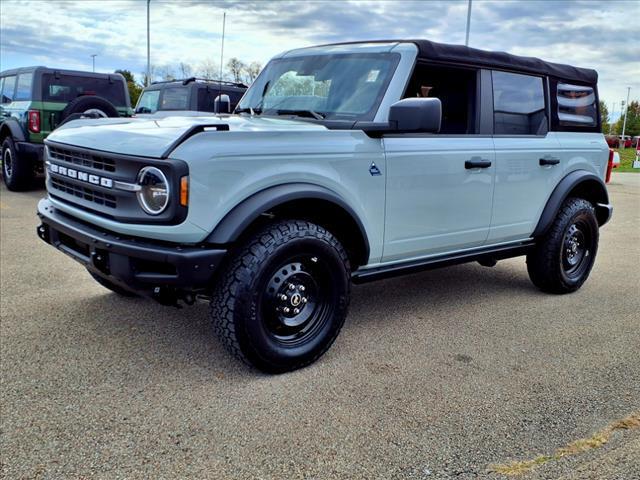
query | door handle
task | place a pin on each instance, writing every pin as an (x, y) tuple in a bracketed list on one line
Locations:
[(477, 163), (549, 161)]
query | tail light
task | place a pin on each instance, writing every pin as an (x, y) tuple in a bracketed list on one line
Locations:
[(609, 166), (34, 121)]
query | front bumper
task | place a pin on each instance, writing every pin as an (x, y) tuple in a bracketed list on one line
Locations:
[(163, 270)]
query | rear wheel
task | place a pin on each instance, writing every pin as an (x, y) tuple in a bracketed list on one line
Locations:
[(283, 298), (562, 260), (18, 174)]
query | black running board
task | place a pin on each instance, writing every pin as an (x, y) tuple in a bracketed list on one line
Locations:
[(489, 253)]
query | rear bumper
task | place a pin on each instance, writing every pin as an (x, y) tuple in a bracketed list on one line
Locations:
[(165, 271)]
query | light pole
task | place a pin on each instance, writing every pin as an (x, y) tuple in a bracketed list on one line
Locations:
[(93, 61), (148, 82), (466, 41), (624, 122)]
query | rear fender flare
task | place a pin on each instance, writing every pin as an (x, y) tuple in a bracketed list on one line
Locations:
[(11, 127), (578, 180)]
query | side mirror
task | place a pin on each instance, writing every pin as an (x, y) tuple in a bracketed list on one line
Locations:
[(222, 104), (416, 115)]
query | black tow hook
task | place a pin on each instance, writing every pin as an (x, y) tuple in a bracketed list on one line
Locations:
[(43, 232)]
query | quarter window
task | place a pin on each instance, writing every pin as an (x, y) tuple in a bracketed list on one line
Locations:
[(577, 106), (175, 98), (7, 89), (23, 92), (518, 104)]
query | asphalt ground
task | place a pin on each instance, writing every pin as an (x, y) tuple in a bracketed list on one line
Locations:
[(442, 374)]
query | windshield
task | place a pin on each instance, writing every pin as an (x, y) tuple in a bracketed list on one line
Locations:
[(332, 87)]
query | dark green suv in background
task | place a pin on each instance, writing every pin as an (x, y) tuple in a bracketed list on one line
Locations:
[(35, 100)]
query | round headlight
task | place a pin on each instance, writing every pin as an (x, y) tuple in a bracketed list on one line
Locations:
[(153, 195)]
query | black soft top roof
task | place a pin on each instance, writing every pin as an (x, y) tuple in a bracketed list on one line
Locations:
[(459, 54), (443, 52)]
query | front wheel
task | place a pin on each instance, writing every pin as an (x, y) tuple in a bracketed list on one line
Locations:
[(563, 258), (282, 300)]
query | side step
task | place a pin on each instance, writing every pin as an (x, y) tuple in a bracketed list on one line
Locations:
[(485, 256)]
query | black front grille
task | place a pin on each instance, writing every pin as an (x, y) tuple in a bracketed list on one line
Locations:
[(86, 193), (83, 159)]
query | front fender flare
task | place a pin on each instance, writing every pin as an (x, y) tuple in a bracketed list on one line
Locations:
[(242, 215), (579, 178)]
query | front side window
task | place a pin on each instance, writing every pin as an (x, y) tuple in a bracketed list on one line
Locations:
[(518, 104), (577, 106), (148, 102), (23, 92), (175, 98), (8, 87), (332, 86)]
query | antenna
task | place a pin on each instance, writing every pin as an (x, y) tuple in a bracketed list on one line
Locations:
[(224, 21)]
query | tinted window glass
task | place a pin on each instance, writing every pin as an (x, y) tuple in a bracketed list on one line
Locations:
[(148, 102), (69, 87), (175, 98), (7, 89), (518, 103), (205, 100), (577, 106), (23, 92)]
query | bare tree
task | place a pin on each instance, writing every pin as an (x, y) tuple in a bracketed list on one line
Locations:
[(185, 70), (166, 72), (236, 67), (252, 70), (208, 69)]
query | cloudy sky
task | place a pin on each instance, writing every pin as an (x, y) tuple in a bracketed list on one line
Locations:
[(598, 34)]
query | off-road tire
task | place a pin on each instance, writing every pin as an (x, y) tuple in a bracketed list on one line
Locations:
[(112, 286), (18, 174), (245, 311), (87, 103), (548, 263)]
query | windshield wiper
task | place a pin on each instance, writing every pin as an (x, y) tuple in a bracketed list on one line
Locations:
[(252, 111), (302, 113)]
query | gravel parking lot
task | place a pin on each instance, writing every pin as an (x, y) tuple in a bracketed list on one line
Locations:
[(440, 374)]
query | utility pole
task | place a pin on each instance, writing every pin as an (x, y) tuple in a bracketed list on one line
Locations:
[(613, 107), (93, 61), (466, 41), (148, 82), (624, 122)]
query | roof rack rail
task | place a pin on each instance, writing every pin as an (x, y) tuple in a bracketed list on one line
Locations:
[(188, 80)]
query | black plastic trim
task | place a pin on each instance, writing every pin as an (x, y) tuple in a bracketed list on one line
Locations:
[(240, 217), (193, 130), (561, 192), (404, 268), (117, 258), (14, 128)]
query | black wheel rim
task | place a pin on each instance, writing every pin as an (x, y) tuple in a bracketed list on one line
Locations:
[(577, 249), (298, 300), (7, 163)]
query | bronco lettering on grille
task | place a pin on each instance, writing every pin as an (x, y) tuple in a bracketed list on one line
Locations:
[(82, 176)]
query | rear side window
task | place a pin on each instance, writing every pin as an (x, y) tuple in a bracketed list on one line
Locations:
[(66, 88), (175, 98), (576, 106), (8, 87), (205, 100), (518, 104), (23, 92)]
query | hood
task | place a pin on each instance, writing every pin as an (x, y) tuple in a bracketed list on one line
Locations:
[(153, 136)]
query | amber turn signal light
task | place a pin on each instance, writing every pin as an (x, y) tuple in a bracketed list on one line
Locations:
[(184, 191)]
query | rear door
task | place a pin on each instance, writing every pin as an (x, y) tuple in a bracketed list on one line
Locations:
[(528, 160)]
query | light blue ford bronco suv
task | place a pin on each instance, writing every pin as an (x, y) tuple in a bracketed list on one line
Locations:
[(342, 163)]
